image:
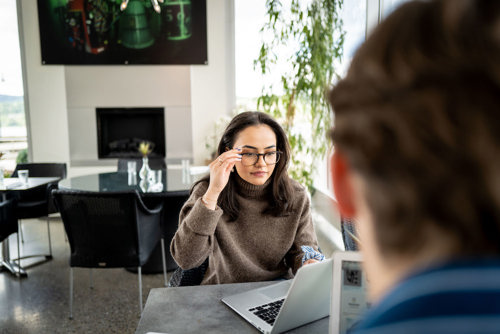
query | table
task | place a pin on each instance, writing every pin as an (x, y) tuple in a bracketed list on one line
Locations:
[(174, 179), (13, 184), (176, 185), (198, 309)]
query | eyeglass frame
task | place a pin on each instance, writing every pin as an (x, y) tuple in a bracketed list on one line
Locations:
[(278, 153)]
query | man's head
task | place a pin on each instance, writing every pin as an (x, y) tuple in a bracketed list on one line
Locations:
[(417, 120)]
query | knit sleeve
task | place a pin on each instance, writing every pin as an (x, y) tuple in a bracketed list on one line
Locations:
[(193, 241), (305, 234)]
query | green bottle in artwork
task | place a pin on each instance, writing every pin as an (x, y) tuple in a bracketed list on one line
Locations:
[(178, 19), (134, 27)]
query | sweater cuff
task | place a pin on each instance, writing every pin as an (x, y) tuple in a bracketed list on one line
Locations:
[(202, 220), (310, 253)]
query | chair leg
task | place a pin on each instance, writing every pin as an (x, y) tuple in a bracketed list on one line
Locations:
[(21, 230), (139, 272), (164, 261), (71, 293), (91, 279), (48, 233), (19, 257)]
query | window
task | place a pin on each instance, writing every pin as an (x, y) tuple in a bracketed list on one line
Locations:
[(12, 117), (389, 5), (358, 17), (249, 18)]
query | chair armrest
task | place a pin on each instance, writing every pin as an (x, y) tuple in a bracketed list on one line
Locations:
[(148, 227), (152, 211)]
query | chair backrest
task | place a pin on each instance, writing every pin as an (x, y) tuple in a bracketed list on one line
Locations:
[(154, 163), (348, 231), (43, 169), (107, 229), (189, 277), (172, 203), (8, 219)]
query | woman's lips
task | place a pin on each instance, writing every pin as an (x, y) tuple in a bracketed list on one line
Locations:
[(259, 174)]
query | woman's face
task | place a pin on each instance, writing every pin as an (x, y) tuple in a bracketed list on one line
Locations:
[(255, 139)]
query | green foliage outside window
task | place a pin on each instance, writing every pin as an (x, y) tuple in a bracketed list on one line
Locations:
[(314, 30), (12, 113), (22, 157)]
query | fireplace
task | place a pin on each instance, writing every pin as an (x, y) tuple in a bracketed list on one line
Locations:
[(121, 130)]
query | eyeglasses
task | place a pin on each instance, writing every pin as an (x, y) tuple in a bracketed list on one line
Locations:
[(250, 159)]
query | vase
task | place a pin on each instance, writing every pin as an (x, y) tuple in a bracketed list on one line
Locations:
[(145, 170)]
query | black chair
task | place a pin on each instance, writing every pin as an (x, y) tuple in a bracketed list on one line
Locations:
[(172, 205), (108, 230), (188, 277), (8, 226), (154, 163), (38, 202), (349, 234)]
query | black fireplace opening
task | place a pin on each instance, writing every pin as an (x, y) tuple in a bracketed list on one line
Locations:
[(121, 130)]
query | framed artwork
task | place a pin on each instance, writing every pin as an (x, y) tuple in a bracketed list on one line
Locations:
[(105, 32)]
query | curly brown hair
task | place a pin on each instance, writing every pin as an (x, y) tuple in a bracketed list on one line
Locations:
[(417, 116)]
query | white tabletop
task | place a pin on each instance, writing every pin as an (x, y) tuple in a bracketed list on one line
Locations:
[(13, 183)]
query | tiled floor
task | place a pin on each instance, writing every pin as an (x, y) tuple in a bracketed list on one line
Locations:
[(39, 303)]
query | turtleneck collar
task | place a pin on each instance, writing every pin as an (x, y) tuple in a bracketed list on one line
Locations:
[(249, 190)]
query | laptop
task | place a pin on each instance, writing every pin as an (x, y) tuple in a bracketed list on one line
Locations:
[(287, 304), (349, 292)]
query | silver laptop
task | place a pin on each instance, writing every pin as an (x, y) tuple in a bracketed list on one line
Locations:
[(349, 292), (288, 304)]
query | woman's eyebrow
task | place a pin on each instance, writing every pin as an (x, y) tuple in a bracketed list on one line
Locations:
[(255, 148)]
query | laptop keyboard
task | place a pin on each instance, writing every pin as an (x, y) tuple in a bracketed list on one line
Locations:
[(268, 312)]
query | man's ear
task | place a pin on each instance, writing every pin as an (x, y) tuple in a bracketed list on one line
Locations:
[(342, 185)]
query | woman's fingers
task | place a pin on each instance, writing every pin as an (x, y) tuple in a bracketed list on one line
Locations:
[(310, 261), (228, 155), (229, 163), (220, 169), (228, 159)]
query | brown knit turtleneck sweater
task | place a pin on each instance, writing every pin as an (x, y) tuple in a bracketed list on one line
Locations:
[(255, 247)]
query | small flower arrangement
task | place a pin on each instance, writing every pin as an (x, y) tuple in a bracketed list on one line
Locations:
[(144, 148)]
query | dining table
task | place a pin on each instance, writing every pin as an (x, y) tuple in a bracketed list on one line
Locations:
[(174, 178), (9, 186)]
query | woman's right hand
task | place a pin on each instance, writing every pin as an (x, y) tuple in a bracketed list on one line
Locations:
[(220, 170)]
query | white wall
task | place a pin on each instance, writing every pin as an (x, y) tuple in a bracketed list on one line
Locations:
[(127, 86), (213, 86), (62, 99)]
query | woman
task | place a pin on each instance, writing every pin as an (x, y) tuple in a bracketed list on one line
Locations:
[(249, 219)]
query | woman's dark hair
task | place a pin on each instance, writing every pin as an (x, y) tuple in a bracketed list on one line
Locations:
[(281, 187), (417, 116)]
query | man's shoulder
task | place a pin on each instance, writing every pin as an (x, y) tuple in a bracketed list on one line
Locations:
[(429, 299)]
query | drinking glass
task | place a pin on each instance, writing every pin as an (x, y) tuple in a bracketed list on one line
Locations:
[(186, 171), (23, 176), (158, 176), (131, 166)]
